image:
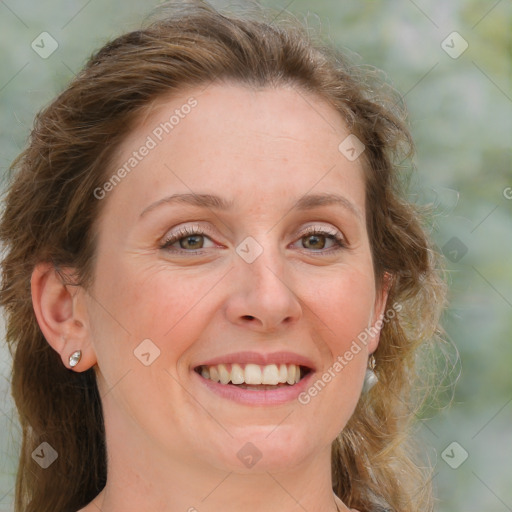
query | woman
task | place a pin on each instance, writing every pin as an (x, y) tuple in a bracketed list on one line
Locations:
[(209, 265)]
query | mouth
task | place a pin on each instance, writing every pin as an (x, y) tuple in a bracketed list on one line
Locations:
[(254, 377)]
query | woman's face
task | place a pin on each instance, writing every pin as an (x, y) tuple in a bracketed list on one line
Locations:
[(237, 237)]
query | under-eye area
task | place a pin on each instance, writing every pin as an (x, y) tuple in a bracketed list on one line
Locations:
[(253, 376)]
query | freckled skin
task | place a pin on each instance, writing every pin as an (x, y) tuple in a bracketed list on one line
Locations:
[(171, 441)]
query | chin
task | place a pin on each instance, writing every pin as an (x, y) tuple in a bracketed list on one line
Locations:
[(257, 449)]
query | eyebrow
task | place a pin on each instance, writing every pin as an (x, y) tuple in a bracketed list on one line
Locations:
[(306, 202)]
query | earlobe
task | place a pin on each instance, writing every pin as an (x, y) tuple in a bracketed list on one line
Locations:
[(55, 306)]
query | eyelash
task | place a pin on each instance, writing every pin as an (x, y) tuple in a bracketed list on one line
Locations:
[(337, 238)]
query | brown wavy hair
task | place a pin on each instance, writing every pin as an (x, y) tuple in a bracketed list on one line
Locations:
[(51, 212)]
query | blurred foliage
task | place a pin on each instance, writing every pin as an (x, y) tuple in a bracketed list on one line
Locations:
[(460, 116)]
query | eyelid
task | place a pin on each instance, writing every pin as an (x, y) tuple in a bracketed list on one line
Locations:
[(314, 228)]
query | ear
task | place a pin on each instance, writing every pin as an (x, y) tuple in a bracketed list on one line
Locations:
[(379, 312), (60, 311)]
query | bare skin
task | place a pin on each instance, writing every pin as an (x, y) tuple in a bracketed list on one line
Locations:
[(173, 440)]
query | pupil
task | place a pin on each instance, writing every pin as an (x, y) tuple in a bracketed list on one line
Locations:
[(191, 242), (315, 242)]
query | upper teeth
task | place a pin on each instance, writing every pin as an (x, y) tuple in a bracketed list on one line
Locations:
[(253, 374)]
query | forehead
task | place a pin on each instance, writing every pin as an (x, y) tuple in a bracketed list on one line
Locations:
[(254, 145)]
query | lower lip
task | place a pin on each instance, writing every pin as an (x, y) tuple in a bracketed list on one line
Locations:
[(265, 397)]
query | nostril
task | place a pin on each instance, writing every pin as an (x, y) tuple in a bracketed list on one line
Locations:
[(248, 317)]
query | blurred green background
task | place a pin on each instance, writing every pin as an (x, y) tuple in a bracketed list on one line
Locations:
[(458, 90)]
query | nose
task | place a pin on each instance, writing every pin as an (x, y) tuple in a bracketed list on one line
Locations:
[(263, 296)]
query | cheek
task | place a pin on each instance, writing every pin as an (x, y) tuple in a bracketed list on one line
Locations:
[(144, 321), (341, 311), (346, 307), (346, 311), (134, 304)]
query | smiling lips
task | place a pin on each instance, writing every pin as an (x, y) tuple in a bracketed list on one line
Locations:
[(249, 375)]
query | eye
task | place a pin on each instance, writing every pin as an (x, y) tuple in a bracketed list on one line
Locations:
[(188, 239), (322, 240), (193, 239)]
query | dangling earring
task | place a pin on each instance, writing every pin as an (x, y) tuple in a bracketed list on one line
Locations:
[(370, 378), (74, 358)]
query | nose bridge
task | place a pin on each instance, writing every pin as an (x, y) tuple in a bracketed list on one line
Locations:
[(265, 271), (265, 295)]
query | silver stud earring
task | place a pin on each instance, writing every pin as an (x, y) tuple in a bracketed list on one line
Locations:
[(370, 378), (74, 358)]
